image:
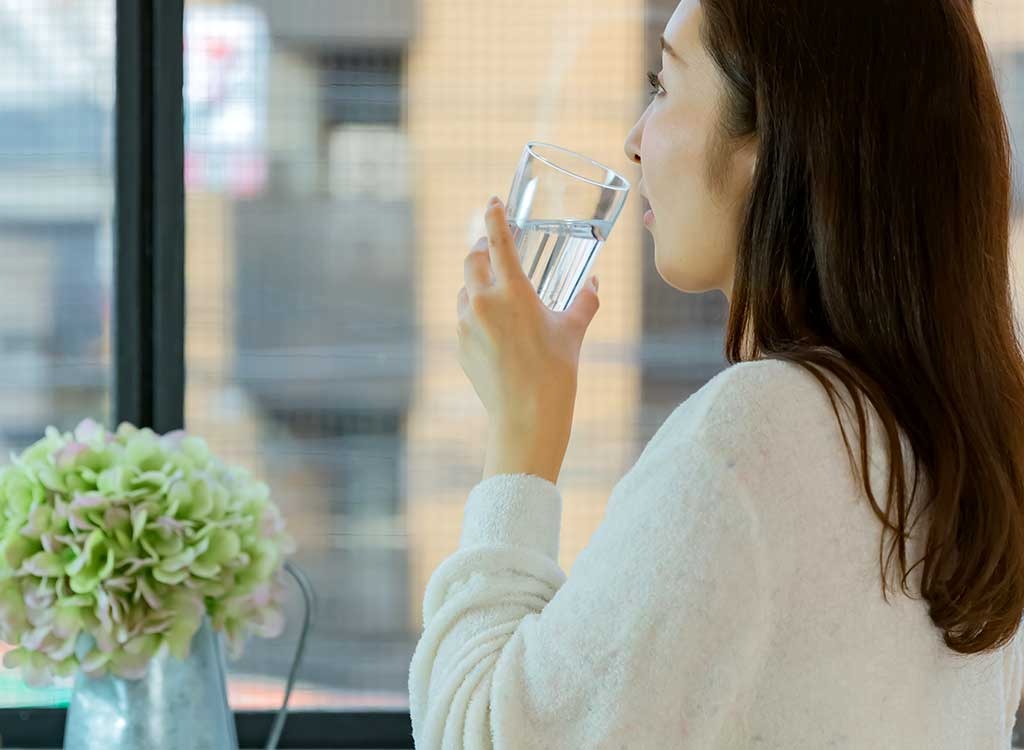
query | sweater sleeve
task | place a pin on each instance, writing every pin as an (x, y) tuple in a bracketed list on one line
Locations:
[(653, 641)]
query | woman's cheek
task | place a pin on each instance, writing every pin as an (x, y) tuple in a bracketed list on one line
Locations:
[(658, 163), (671, 151), (657, 135)]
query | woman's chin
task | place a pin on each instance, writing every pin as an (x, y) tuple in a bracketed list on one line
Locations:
[(686, 279)]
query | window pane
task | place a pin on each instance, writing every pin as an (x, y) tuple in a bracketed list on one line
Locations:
[(339, 156), (1002, 25), (56, 213)]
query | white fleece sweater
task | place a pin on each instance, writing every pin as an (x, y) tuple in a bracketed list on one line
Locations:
[(730, 599)]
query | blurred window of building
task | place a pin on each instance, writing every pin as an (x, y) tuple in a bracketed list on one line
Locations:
[(1010, 66), (56, 214), (368, 160)]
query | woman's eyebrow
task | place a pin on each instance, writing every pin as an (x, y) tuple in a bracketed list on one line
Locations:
[(666, 47)]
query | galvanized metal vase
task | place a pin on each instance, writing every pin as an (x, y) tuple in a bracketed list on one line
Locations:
[(178, 704)]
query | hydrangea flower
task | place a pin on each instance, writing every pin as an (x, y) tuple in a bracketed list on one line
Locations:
[(114, 546)]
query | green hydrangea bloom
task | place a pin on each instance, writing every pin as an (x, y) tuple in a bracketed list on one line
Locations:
[(123, 542)]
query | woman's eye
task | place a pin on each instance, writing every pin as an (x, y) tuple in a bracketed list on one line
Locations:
[(652, 78)]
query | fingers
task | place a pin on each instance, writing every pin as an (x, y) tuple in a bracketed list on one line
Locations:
[(477, 267), (492, 258), (503, 254)]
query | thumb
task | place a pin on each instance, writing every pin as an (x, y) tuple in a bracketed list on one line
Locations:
[(585, 306)]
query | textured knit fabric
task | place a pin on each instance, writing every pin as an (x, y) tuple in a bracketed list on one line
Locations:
[(731, 598)]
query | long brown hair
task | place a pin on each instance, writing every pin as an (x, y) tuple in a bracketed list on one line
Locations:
[(875, 246)]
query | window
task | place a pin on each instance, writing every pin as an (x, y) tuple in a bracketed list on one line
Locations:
[(56, 220), (321, 302), (1009, 64), (1010, 67), (302, 338)]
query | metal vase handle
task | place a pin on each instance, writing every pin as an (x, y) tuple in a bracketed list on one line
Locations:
[(309, 599)]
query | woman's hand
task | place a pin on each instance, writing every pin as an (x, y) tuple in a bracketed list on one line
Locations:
[(521, 356)]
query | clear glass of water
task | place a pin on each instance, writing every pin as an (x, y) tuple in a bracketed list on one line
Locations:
[(561, 209)]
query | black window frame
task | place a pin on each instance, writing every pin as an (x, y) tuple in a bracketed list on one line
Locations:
[(148, 331)]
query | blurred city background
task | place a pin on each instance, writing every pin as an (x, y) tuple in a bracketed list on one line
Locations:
[(339, 154)]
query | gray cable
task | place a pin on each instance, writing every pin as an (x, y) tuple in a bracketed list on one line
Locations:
[(309, 597)]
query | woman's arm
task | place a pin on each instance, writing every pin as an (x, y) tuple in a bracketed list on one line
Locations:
[(653, 641)]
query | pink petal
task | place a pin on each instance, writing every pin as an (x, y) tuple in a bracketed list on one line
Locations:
[(78, 522), (66, 456), (105, 641), (137, 563), (147, 593), (38, 598), (91, 500), (133, 670), (260, 596), (172, 440), (33, 639), (102, 609), (157, 627), (87, 429), (117, 609), (94, 663), (170, 524), (272, 624), (36, 519), (62, 649), (115, 516)]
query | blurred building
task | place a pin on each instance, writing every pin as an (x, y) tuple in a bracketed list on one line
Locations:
[(338, 281), (56, 200)]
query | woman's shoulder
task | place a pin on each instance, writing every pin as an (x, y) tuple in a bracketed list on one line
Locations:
[(754, 377), (753, 392), (755, 407), (751, 424)]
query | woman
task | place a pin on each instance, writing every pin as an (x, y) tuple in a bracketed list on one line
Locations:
[(841, 171)]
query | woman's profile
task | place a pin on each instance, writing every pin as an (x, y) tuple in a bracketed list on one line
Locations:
[(823, 547)]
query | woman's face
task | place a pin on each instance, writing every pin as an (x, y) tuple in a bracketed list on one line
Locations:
[(695, 188)]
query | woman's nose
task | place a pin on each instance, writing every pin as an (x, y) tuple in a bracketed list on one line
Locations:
[(632, 147)]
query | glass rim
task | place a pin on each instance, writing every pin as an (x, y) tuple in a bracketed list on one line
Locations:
[(531, 144)]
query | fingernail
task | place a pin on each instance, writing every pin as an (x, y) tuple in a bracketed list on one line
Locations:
[(593, 280), (495, 200)]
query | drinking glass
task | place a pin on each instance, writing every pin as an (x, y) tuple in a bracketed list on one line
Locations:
[(561, 209)]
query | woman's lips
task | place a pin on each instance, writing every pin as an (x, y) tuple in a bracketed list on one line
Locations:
[(649, 217)]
